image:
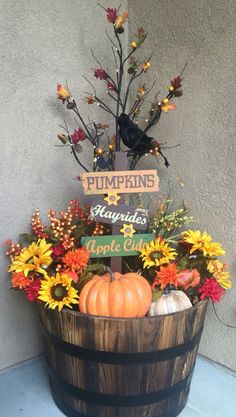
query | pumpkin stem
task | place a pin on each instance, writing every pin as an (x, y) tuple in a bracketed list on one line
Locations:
[(108, 269), (167, 290)]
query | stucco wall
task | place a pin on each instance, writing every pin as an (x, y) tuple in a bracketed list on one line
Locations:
[(201, 33), (41, 43)]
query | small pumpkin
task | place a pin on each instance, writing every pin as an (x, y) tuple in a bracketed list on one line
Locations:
[(116, 295), (170, 302)]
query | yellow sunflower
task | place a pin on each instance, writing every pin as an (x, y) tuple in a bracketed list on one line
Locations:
[(156, 253), (219, 271), (35, 257), (214, 249), (202, 242), (57, 292)]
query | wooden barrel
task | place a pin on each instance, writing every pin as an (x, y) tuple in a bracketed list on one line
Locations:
[(108, 367)]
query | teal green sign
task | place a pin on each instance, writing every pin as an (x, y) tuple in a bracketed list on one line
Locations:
[(115, 245)]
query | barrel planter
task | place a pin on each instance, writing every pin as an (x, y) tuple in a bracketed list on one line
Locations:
[(109, 367)]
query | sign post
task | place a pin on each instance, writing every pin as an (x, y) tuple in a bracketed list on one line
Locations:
[(121, 163), (114, 210)]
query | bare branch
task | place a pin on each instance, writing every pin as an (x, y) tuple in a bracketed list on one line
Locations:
[(72, 147), (111, 40), (88, 81), (97, 61)]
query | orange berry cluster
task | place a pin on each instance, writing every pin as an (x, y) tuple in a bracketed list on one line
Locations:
[(62, 228), (37, 226), (68, 240), (14, 249), (80, 213), (99, 229)]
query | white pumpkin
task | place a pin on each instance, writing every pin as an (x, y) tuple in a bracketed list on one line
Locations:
[(171, 302)]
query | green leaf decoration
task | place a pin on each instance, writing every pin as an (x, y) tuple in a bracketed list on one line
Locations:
[(87, 274), (156, 294), (27, 239)]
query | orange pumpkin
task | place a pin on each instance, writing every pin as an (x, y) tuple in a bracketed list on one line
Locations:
[(116, 295)]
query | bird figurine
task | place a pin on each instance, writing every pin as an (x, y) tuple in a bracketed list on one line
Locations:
[(103, 163), (136, 140)]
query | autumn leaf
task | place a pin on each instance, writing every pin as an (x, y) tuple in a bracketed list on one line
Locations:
[(176, 82)]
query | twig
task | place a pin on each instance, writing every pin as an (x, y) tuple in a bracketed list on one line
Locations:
[(128, 56), (90, 83), (116, 63), (134, 76), (141, 101), (104, 106), (76, 111), (72, 146), (113, 98), (97, 61), (111, 40)]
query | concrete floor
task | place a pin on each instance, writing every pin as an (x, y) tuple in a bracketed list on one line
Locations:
[(24, 392)]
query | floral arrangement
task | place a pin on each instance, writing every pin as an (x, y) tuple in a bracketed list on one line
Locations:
[(52, 266)]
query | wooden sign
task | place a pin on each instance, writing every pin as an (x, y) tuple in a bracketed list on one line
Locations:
[(118, 215), (120, 181), (107, 246)]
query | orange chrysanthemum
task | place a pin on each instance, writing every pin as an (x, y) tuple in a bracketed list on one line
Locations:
[(168, 275), (77, 259), (19, 280)]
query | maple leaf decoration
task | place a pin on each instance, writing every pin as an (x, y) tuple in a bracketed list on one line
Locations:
[(111, 15), (89, 99), (63, 93), (78, 136), (176, 82), (120, 20), (100, 74)]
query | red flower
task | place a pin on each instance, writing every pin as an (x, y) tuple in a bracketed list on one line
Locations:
[(211, 289), (111, 86), (100, 73), (176, 82), (32, 290), (58, 250), (111, 15), (78, 136)]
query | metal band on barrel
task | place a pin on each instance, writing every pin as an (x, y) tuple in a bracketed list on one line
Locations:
[(120, 358), (70, 412), (118, 400)]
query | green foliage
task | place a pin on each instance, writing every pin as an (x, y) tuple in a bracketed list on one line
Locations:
[(166, 222), (87, 274)]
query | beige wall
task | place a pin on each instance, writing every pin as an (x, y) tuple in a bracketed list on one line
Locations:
[(42, 42), (203, 34)]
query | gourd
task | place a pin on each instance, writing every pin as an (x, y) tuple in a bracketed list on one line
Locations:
[(170, 302), (116, 295)]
